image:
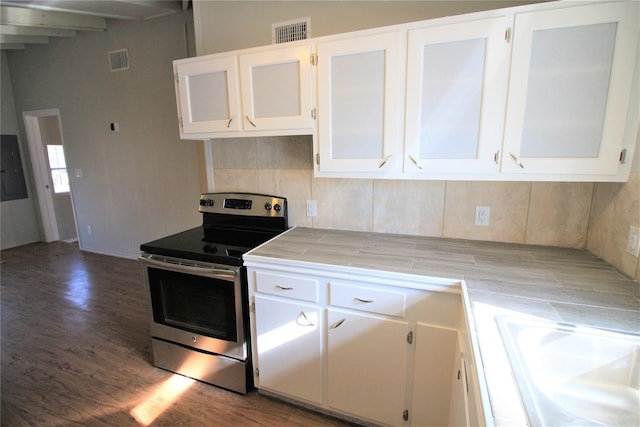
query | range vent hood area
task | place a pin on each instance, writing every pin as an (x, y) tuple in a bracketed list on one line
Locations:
[(24, 22)]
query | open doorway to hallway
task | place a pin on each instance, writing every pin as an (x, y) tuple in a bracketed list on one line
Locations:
[(55, 199)]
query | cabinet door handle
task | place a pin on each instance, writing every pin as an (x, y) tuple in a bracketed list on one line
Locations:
[(515, 159), (304, 316), (623, 156), (384, 161), (414, 162), (229, 122), (284, 288), (337, 324), (366, 301), (249, 120)]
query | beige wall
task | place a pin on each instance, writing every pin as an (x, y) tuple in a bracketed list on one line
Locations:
[(568, 214), (615, 207), (229, 25)]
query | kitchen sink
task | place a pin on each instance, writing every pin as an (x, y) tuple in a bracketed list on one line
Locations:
[(573, 376)]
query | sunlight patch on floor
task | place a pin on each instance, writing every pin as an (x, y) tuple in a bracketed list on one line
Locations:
[(161, 399)]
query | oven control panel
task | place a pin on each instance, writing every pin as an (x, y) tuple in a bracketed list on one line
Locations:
[(243, 204)]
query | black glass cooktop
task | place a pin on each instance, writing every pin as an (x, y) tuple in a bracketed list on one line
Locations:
[(209, 244)]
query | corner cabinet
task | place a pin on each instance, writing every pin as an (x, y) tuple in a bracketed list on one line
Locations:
[(255, 92), (360, 104), (570, 89), (379, 351), (456, 87)]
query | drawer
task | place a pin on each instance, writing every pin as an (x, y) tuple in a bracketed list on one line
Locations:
[(363, 298), (288, 286)]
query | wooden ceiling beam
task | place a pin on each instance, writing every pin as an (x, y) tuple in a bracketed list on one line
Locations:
[(13, 30), (23, 39), (39, 18)]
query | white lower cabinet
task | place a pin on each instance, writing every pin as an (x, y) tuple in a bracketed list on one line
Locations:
[(366, 365), (288, 344), (433, 374), (382, 353)]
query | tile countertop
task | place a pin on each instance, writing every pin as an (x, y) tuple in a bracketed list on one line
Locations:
[(556, 284)]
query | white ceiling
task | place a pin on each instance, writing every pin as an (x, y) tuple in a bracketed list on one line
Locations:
[(34, 21)]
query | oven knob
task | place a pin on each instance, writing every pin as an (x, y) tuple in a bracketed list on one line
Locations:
[(209, 202), (277, 207), (203, 202), (267, 206)]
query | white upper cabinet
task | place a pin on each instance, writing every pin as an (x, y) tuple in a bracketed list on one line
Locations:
[(207, 92), (456, 87), (360, 98), (569, 90), (277, 89), (263, 91)]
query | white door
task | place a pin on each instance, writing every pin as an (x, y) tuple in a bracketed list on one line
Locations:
[(456, 91), (433, 375), (208, 95), (360, 98), (569, 89), (277, 89), (288, 347), (367, 361), (46, 146)]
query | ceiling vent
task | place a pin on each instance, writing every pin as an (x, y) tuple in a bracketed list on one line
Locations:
[(298, 29), (118, 60)]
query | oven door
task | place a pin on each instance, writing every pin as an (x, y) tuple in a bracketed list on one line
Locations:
[(196, 304)]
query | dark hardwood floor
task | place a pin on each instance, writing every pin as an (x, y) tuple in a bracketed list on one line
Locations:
[(75, 351)]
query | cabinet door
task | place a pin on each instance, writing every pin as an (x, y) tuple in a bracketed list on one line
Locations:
[(277, 89), (288, 348), (569, 89), (367, 358), (433, 375), (460, 404), (456, 91), (208, 95), (360, 86)]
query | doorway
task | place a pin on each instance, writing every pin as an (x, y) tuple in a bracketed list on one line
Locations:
[(46, 146)]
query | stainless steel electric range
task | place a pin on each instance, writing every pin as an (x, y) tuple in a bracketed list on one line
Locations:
[(199, 314)]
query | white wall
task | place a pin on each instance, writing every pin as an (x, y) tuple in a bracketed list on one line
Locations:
[(19, 218), (139, 183)]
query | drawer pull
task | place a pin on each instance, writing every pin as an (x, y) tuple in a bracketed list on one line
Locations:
[(337, 324), (284, 288), (366, 301), (304, 316)]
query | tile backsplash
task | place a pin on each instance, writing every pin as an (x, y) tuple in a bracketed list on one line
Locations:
[(540, 213)]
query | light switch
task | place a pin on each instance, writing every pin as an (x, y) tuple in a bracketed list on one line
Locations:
[(633, 241), (78, 173)]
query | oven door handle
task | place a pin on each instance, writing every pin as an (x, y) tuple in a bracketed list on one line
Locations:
[(187, 268)]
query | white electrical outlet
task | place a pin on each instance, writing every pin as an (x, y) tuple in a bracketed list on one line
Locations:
[(89, 230), (633, 241), (311, 208), (483, 215)]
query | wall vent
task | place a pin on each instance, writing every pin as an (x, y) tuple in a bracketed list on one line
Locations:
[(298, 29), (118, 60)]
